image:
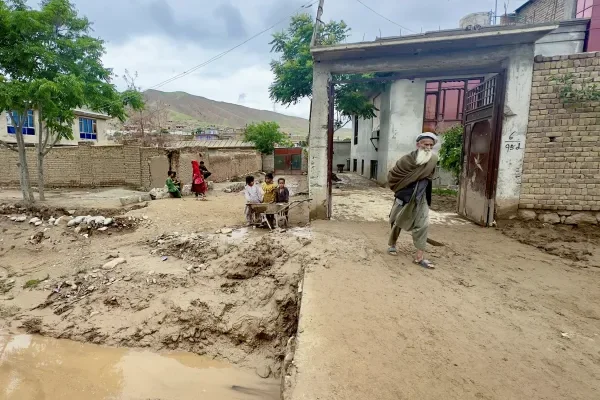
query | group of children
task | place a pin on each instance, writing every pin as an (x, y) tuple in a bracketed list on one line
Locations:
[(268, 192), (199, 185)]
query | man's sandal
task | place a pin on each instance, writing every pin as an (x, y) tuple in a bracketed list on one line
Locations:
[(425, 264), (392, 251)]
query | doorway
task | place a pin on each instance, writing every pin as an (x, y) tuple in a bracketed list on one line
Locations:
[(373, 172)]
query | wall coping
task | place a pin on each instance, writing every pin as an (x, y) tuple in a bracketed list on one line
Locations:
[(578, 56)]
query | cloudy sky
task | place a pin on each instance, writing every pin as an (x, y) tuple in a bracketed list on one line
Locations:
[(162, 38)]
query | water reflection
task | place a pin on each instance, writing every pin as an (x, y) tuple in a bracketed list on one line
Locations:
[(39, 368)]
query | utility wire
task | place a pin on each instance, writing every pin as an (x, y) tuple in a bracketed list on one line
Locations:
[(386, 18), (218, 56)]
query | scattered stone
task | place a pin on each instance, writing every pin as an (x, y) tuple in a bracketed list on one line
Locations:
[(99, 221), (550, 218), (190, 268), (85, 235), (52, 220), (151, 273), (104, 228), (34, 220), (13, 218), (127, 278), (226, 231), (22, 218), (235, 187), (94, 313), (76, 221), (154, 281), (91, 287), (581, 219), (108, 221), (159, 193), (71, 212), (38, 223), (264, 372), (113, 263), (135, 199), (77, 230), (527, 215), (145, 217)]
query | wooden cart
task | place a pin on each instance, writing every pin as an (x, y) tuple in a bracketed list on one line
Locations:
[(273, 215)]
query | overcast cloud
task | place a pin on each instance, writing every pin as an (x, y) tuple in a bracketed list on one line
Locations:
[(162, 38)]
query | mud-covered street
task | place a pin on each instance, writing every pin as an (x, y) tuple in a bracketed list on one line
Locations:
[(499, 318)]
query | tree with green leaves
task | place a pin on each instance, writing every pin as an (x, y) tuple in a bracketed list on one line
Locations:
[(265, 135), (294, 70), (451, 150), (50, 63)]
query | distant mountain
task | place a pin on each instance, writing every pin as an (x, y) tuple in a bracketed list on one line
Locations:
[(196, 111)]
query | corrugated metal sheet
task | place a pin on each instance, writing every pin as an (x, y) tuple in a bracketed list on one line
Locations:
[(213, 144)]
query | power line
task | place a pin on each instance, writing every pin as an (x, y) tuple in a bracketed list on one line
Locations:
[(386, 18), (218, 56)]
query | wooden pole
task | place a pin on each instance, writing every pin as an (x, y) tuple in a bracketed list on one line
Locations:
[(313, 41)]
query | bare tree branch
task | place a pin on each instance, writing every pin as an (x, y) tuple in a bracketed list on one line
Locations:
[(9, 146), (343, 125), (48, 148)]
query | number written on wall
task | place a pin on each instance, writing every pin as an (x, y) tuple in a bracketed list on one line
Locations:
[(512, 144)]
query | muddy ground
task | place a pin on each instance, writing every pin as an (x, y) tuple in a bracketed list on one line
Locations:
[(177, 283), (501, 299)]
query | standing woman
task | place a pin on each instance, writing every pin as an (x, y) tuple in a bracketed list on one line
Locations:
[(198, 183)]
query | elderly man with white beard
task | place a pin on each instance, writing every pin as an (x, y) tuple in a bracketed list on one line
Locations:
[(409, 180)]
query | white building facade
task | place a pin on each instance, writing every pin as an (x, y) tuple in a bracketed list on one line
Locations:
[(87, 127)]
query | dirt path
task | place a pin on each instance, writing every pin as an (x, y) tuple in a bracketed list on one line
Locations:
[(497, 320)]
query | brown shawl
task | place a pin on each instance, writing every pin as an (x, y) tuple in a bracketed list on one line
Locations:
[(406, 171)]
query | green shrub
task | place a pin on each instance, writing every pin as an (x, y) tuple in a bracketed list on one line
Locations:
[(451, 150)]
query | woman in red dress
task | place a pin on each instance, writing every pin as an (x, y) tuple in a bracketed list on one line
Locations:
[(198, 183)]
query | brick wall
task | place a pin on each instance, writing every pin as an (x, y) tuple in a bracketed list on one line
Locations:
[(542, 11), (96, 166), (562, 153), (226, 163)]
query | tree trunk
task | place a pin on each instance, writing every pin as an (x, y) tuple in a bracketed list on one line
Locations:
[(40, 156), (24, 169)]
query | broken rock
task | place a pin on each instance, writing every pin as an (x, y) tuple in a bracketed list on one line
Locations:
[(113, 263), (550, 218), (527, 215), (581, 219), (264, 372)]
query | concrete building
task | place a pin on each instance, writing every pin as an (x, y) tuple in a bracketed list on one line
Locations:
[(501, 57), (88, 126), (341, 154)]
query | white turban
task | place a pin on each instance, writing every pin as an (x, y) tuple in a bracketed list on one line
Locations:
[(427, 135)]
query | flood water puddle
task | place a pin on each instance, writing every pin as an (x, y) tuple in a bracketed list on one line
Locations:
[(40, 368)]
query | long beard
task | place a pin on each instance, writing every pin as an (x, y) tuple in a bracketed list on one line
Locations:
[(423, 156)]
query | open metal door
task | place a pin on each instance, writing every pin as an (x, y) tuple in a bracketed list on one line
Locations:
[(481, 145)]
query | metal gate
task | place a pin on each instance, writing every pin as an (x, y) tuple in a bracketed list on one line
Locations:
[(481, 145), (288, 161)]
